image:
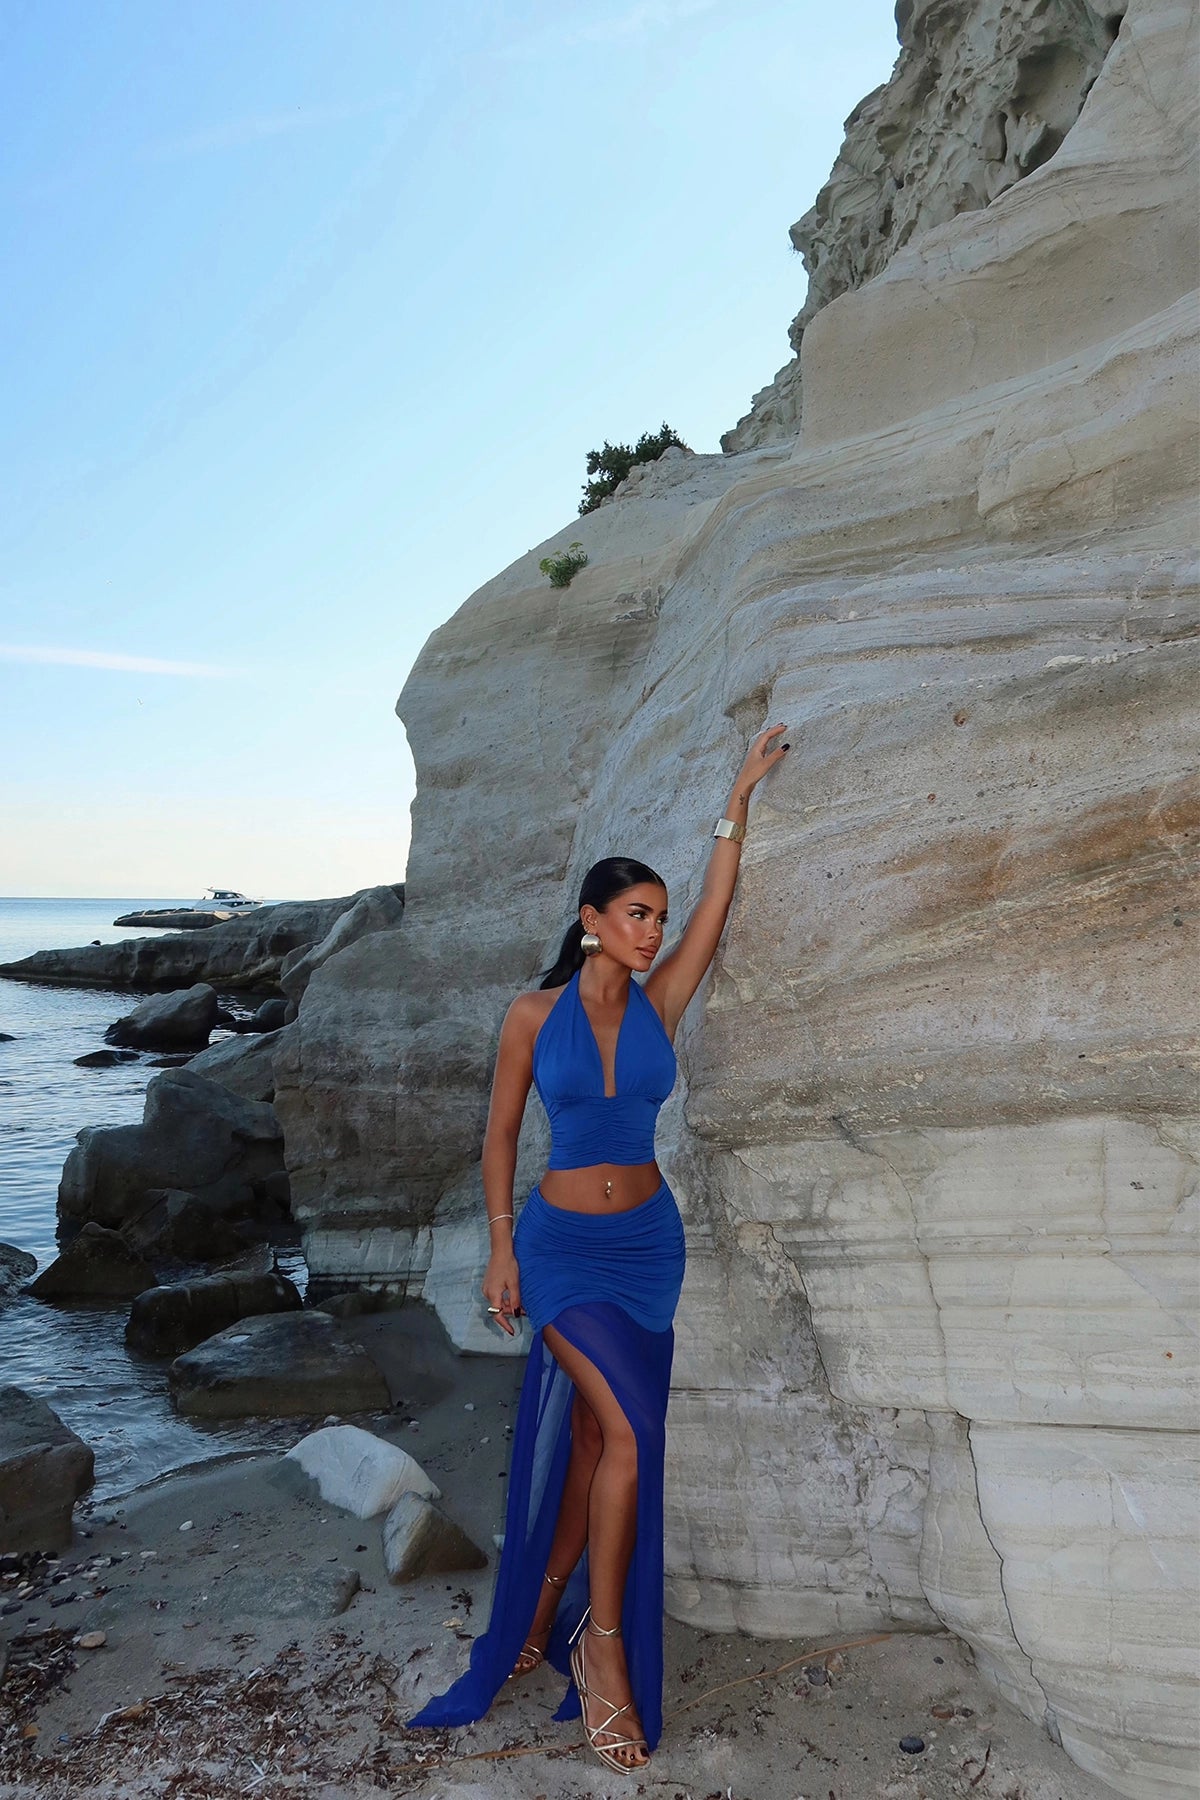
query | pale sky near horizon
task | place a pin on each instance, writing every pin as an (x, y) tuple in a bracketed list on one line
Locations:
[(310, 316)]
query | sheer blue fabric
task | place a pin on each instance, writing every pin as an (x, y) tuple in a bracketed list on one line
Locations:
[(586, 1125), (636, 1364), (609, 1283)]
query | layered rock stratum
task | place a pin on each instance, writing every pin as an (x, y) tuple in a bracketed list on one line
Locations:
[(936, 1134)]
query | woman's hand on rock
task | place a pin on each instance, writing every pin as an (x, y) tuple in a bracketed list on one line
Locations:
[(760, 757), (502, 1288)]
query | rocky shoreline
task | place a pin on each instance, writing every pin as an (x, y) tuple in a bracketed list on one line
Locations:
[(242, 953), (181, 1214), (201, 1180)]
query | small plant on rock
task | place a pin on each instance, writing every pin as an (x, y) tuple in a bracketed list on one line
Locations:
[(612, 464), (563, 568)]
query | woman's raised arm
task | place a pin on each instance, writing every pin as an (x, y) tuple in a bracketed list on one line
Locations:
[(672, 984)]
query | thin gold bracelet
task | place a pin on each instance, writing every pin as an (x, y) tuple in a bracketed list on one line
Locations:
[(495, 1220)]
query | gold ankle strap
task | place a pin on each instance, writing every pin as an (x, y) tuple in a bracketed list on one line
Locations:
[(599, 1630)]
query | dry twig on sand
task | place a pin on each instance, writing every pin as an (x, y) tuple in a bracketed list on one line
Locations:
[(271, 1732), (215, 1733)]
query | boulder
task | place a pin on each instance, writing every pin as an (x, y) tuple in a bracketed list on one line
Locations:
[(379, 909), (277, 1190), (280, 1366), (105, 1059), (165, 918), (270, 1016), (44, 1468), (418, 1539), (178, 1021), (244, 1065), (180, 1226), (181, 1314), (254, 1259), (321, 1592), (16, 1267), (361, 1473), (97, 1265), (195, 1135)]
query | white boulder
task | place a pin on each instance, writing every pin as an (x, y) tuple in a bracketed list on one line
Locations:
[(361, 1473)]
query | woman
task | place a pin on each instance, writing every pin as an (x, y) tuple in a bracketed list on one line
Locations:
[(596, 1263)]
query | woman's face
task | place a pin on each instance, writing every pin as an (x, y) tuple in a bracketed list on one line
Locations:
[(631, 926)]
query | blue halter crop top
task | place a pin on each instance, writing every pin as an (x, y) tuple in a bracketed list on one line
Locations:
[(586, 1125)]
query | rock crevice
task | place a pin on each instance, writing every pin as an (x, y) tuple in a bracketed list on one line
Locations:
[(1012, 1624)]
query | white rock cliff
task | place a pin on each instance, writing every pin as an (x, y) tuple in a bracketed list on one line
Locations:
[(937, 1133), (983, 92)]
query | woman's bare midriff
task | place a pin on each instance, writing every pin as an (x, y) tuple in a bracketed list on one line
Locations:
[(583, 1190)]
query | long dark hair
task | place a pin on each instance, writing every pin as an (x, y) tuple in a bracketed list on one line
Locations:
[(602, 883)]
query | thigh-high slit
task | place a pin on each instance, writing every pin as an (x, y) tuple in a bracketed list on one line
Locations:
[(634, 1360)]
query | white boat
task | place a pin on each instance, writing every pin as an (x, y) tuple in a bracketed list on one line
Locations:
[(225, 902)]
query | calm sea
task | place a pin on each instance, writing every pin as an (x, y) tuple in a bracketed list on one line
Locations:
[(75, 1358)]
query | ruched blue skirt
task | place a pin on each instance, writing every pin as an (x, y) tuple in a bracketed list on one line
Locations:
[(608, 1283), (633, 1258)]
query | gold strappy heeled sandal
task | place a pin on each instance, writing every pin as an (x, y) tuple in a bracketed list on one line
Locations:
[(529, 1656), (605, 1752)]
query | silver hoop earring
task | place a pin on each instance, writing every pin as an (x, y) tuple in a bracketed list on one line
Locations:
[(589, 943)]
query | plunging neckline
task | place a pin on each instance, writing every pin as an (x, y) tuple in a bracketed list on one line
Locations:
[(596, 1041)]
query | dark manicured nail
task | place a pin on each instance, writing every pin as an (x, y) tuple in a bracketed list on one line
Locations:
[(787, 746)]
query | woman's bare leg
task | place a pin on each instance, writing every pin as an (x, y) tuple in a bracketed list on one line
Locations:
[(611, 1530), (570, 1534)]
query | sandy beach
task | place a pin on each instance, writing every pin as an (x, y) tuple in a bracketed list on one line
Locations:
[(254, 1646)]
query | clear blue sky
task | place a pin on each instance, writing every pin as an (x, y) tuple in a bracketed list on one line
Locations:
[(310, 314)]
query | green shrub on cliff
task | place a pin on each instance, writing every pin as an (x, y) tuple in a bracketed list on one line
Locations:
[(563, 568), (612, 464)]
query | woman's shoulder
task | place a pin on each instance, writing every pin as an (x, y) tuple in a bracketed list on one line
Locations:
[(531, 1008)]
